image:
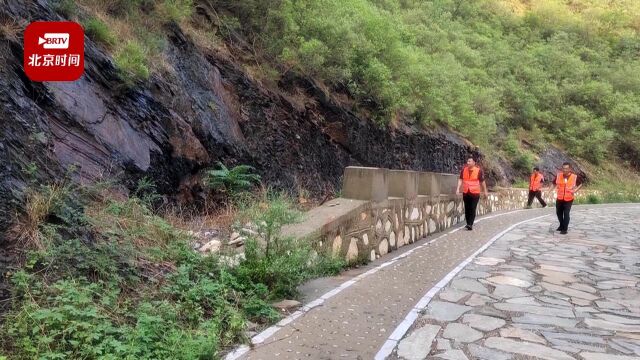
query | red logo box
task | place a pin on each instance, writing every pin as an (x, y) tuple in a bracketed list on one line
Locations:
[(54, 51)]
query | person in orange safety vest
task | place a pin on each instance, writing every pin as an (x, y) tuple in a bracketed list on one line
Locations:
[(471, 178), (535, 188), (566, 186)]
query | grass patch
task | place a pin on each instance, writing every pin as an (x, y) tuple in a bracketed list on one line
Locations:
[(175, 10), (133, 31), (108, 278), (67, 8), (11, 30), (593, 199), (521, 184), (523, 162), (521, 159), (610, 196), (39, 207), (99, 32), (131, 60), (615, 182)]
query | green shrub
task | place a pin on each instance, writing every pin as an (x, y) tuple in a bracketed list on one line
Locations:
[(131, 61), (615, 197), (610, 196), (284, 270), (84, 300), (511, 146), (67, 8), (281, 271), (617, 189), (279, 262), (229, 25), (45, 204), (269, 215), (237, 179), (126, 8), (62, 320), (521, 184), (159, 333), (146, 191), (73, 258), (176, 10), (593, 199), (523, 162), (99, 32), (82, 319), (327, 265)]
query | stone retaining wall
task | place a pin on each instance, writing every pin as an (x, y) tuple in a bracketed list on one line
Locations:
[(382, 224), (380, 227), (512, 199)]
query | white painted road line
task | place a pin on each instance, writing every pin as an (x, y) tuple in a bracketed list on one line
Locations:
[(388, 346), (411, 317), (237, 353)]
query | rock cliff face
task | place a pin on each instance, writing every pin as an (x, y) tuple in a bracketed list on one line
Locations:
[(204, 110)]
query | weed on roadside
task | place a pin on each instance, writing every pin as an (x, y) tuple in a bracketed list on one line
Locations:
[(107, 278)]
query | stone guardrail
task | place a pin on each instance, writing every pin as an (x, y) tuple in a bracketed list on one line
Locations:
[(381, 210)]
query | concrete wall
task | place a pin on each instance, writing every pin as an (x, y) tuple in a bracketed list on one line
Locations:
[(403, 184), (382, 210), (363, 183)]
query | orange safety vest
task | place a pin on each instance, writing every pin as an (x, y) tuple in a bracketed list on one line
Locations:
[(535, 182), (470, 180), (565, 189)]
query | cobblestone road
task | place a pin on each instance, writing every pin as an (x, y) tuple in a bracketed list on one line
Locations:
[(536, 294)]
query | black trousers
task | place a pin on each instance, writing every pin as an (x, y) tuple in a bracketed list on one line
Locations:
[(563, 208), (470, 205), (537, 195)]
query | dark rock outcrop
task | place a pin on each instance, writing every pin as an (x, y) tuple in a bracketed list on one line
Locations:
[(202, 110), (551, 161)]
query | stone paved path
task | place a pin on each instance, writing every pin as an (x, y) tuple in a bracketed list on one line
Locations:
[(535, 294), (532, 292)]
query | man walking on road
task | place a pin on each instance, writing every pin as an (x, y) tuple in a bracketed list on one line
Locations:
[(535, 188), (566, 186), (470, 178)]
